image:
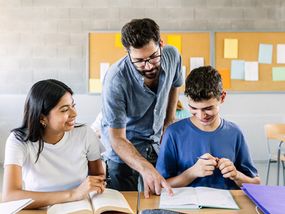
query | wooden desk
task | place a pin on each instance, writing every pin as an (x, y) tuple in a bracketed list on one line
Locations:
[(245, 204), (130, 196)]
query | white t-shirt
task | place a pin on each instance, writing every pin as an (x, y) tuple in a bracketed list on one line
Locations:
[(61, 166)]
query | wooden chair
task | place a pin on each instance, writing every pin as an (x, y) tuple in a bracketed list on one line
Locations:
[(275, 132)]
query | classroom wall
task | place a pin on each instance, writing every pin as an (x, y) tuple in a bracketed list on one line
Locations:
[(42, 39)]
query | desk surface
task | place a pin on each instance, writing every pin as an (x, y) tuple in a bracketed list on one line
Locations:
[(245, 204)]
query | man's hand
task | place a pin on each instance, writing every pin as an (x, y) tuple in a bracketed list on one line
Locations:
[(153, 181)]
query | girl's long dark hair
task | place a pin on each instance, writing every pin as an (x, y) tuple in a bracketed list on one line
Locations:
[(42, 97)]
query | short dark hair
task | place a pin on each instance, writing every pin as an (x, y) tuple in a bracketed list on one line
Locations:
[(139, 32), (203, 83), (41, 99)]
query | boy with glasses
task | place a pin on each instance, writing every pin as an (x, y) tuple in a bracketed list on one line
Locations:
[(140, 94), (205, 150)]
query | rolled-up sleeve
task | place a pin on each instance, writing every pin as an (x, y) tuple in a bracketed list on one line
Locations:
[(114, 103)]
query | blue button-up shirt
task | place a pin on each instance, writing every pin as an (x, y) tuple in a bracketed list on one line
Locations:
[(129, 103)]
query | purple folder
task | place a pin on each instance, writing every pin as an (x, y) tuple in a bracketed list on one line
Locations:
[(269, 199)]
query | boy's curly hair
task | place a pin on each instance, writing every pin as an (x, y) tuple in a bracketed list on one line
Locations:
[(203, 83)]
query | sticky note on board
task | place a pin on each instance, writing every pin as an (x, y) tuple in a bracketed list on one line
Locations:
[(118, 41), (237, 69), (174, 40), (251, 71), (280, 53), (95, 86), (196, 62), (265, 53), (278, 73), (231, 48), (104, 66), (225, 74)]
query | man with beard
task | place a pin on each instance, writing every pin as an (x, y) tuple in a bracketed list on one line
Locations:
[(140, 94)]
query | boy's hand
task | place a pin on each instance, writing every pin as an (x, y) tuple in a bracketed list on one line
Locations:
[(205, 165), (228, 169)]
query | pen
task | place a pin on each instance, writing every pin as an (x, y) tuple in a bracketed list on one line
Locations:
[(217, 159), (202, 158)]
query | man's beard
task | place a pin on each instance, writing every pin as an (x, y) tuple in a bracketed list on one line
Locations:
[(151, 74)]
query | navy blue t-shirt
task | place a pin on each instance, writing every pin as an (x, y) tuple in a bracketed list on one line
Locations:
[(183, 143)]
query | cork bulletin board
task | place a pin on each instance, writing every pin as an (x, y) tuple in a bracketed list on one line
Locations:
[(105, 48), (248, 49)]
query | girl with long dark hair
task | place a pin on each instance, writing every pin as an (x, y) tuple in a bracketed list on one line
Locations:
[(49, 158)]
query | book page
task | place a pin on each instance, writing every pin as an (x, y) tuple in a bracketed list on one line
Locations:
[(109, 200), (14, 206), (217, 198), (71, 207), (183, 198)]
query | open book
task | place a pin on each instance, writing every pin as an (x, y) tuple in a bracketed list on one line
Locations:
[(109, 200), (12, 207), (185, 198)]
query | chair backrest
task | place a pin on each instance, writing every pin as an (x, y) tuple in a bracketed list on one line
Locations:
[(271, 130)]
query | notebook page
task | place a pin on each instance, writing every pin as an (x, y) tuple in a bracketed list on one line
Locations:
[(217, 198), (70, 207), (14, 206), (109, 198), (183, 198)]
